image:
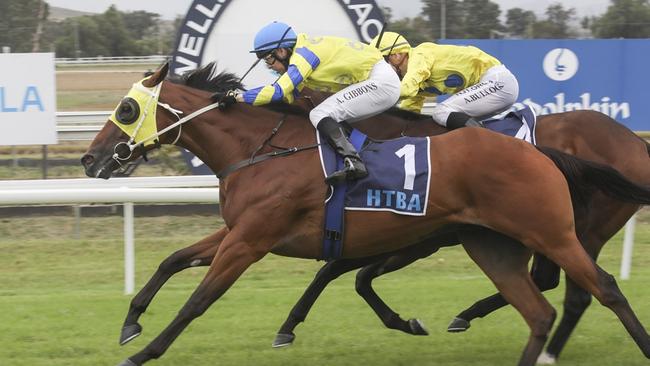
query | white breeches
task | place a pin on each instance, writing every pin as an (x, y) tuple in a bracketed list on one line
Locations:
[(361, 100), (497, 91)]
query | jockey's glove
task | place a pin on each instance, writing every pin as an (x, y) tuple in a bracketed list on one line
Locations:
[(226, 99)]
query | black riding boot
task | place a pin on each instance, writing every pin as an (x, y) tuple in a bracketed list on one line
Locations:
[(354, 167), (458, 120)]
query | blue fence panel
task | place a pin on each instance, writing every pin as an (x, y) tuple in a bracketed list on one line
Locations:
[(610, 76)]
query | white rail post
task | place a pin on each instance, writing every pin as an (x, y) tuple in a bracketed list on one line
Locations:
[(77, 221), (129, 251), (628, 244)]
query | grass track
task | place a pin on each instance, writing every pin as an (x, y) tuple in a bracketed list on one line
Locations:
[(61, 303)]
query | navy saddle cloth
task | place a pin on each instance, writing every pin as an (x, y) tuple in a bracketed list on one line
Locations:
[(398, 179), (518, 124)]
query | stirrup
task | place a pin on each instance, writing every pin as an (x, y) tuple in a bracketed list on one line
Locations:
[(354, 169)]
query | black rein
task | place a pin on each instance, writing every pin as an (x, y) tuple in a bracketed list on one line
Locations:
[(254, 159)]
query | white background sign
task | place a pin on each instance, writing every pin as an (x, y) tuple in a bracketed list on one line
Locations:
[(27, 99), (232, 39)]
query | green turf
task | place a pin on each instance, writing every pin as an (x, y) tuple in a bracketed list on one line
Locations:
[(61, 303)]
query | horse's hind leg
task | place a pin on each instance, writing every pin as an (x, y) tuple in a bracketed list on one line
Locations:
[(604, 223), (506, 264), (576, 301), (325, 275), (583, 270), (545, 274), (198, 254)]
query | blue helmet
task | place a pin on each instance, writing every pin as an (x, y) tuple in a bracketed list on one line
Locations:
[(273, 36)]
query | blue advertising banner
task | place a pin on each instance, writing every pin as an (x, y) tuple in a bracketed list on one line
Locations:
[(610, 76)]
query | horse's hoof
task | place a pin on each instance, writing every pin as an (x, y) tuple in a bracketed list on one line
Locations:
[(129, 332), (546, 358), (458, 325), (283, 340), (127, 362), (417, 327)]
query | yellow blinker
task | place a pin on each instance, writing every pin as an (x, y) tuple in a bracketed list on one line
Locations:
[(142, 126)]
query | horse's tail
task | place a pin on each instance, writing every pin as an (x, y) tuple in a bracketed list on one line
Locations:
[(583, 176)]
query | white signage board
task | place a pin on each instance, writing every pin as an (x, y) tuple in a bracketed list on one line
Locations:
[(230, 42), (27, 99)]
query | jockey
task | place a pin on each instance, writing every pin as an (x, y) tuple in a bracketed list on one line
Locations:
[(480, 85), (362, 82)]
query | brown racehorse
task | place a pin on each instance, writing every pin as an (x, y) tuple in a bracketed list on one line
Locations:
[(276, 206)]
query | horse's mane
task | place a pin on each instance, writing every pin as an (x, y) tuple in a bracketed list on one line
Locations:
[(206, 78)]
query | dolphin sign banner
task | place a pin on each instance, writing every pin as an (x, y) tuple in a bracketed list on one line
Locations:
[(609, 76), (223, 31)]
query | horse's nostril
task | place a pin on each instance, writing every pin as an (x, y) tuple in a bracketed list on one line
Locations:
[(87, 160)]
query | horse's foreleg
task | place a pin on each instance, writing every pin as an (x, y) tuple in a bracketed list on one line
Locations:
[(479, 309), (545, 274), (506, 265), (198, 254), (325, 275), (233, 257), (390, 318)]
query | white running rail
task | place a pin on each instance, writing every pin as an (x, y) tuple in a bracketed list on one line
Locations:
[(202, 188)]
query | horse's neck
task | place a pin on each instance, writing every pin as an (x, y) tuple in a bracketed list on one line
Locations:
[(221, 139)]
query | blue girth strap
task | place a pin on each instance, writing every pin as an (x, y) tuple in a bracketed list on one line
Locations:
[(335, 208)]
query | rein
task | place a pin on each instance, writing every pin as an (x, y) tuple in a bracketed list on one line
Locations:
[(283, 151)]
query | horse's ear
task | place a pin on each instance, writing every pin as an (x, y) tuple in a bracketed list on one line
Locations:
[(157, 77)]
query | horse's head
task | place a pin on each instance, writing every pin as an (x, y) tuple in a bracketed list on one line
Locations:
[(131, 130), (142, 121)]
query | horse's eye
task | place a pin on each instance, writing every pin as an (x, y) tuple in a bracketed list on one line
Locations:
[(128, 111)]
